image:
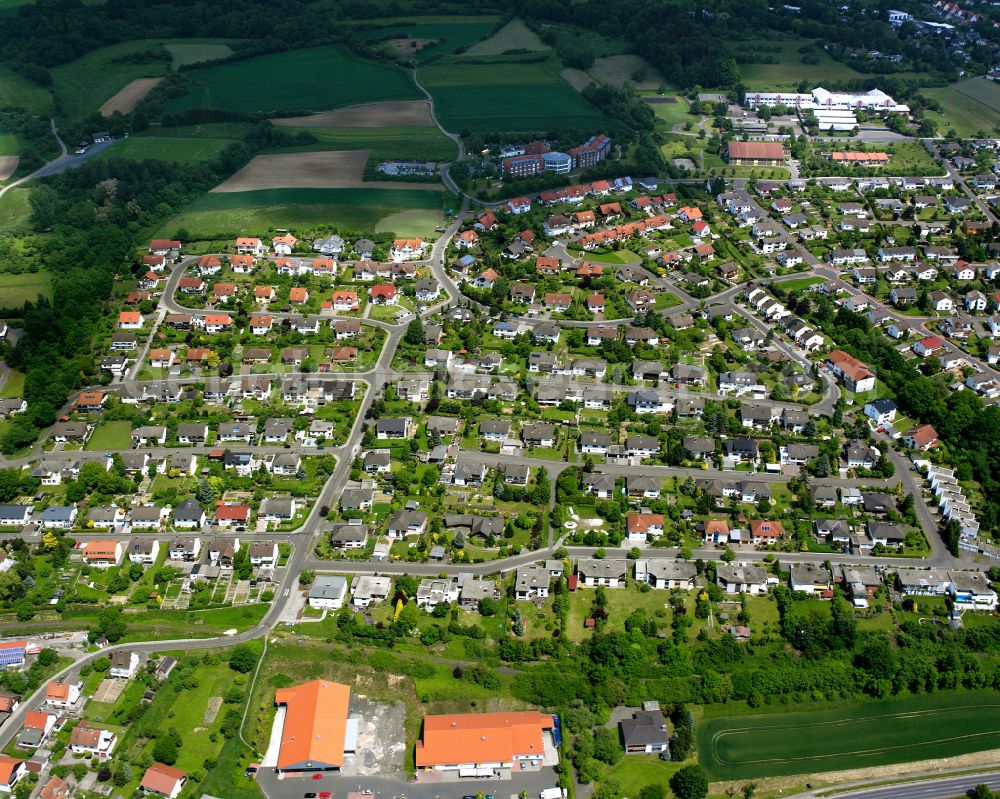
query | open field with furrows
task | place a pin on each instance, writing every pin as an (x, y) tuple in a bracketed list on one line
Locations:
[(856, 736), (8, 165), (391, 114), (505, 95), (225, 215), (419, 144), (84, 85), (16, 290), (129, 97), (18, 92), (165, 149), (970, 106), (261, 84), (313, 170)]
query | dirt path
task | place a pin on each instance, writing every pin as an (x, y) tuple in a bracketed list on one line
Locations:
[(129, 97), (331, 169), (401, 114)]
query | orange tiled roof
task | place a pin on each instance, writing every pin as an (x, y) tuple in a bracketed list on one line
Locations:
[(315, 723), (481, 737)]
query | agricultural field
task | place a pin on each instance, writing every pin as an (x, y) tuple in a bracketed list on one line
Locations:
[(875, 734), (18, 92), (508, 96), (515, 35), (225, 87), (225, 215), (402, 113), (125, 100), (84, 85), (165, 148), (423, 143), (184, 53), (789, 70), (432, 39), (310, 170), (969, 106), (16, 290)]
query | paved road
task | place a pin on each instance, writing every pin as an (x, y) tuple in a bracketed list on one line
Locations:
[(937, 788), (65, 161)]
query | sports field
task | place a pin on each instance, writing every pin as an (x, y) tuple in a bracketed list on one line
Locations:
[(505, 95), (970, 106), (855, 736), (18, 92), (261, 84), (226, 215), (182, 150), (16, 290)]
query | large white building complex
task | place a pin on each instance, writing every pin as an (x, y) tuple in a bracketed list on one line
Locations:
[(833, 110)]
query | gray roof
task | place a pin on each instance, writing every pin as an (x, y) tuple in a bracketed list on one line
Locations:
[(328, 586)]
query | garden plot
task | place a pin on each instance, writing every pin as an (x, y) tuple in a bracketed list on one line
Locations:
[(109, 690)]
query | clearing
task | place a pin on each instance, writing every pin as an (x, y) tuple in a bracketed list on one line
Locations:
[(129, 97), (19, 92), (184, 53), (225, 86), (15, 211), (434, 38), (621, 69), (165, 148), (317, 170), (111, 435), (515, 35), (935, 725), (403, 113), (16, 290), (8, 165)]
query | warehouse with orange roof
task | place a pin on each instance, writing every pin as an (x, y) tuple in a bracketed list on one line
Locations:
[(477, 744), (312, 731)]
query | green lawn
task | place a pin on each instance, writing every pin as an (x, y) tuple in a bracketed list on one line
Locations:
[(970, 106), (611, 257), (16, 290), (418, 143), (14, 387), (194, 53), (634, 772), (854, 736), (165, 148), (798, 284), (84, 85), (8, 144), (111, 435), (18, 92), (348, 80), (15, 211), (507, 96), (225, 215), (671, 113)]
